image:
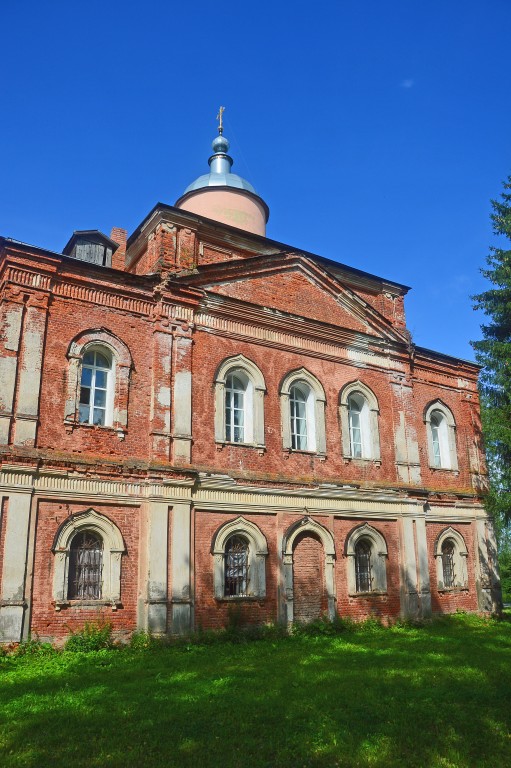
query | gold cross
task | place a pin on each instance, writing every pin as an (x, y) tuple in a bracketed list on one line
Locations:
[(219, 117)]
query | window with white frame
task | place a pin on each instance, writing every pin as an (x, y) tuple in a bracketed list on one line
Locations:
[(303, 412), (239, 550), (441, 436), (98, 380), (366, 553), (239, 402), (88, 549), (96, 387), (451, 557), (359, 414)]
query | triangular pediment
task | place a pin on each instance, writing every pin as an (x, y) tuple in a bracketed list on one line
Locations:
[(294, 285)]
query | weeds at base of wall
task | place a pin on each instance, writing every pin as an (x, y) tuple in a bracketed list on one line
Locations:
[(93, 636)]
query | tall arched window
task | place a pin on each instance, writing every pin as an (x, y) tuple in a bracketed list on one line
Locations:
[(85, 566), (359, 422), (302, 401), (300, 434), (441, 436), (96, 391), (363, 566), (236, 567), (448, 550), (239, 400)]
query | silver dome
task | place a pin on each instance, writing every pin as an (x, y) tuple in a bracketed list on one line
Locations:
[(220, 174)]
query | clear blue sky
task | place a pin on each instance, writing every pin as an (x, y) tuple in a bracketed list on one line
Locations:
[(376, 131)]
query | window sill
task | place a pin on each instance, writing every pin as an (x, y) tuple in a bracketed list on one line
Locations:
[(444, 469), (221, 444), (372, 593), (87, 604), (241, 599), (362, 460), (450, 590), (298, 452), (72, 425)]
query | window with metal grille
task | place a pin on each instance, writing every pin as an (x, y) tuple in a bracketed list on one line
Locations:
[(236, 567), (363, 566), (95, 387), (85, 567), (448, 552), (234, 409), (298, 412)]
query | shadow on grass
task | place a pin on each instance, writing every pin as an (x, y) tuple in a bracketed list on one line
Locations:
[(437, 696)]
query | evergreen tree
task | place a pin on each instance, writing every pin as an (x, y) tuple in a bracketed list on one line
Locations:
[(494, 354)]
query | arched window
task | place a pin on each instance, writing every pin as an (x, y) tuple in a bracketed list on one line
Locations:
[(366, 552), (363, 566), (441, 434), (451, 560), (98, 381), (96, 391), (239, 400), (303, 412), (302, 425), (237, 397), (88, 548), (85, 566), (359, 422), (236, 567), (448, 549), (239, 550)]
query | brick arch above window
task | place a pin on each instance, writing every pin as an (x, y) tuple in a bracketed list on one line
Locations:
[(368, 417), (113, 549), (100, 339)]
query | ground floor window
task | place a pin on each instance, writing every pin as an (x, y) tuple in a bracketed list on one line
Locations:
[(85, 567)]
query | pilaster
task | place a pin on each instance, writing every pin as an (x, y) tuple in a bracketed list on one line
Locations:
[(13, 602), (181, 569), (157, 567), (182, 403)]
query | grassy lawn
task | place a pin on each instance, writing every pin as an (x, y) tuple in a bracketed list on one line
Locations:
[(433, 696)]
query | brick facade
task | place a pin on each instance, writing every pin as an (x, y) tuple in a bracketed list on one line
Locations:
[(184, 295)]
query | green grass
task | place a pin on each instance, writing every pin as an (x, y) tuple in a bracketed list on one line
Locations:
[(433, 696)]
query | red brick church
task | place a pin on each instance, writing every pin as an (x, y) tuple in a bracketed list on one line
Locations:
[(197, 417)]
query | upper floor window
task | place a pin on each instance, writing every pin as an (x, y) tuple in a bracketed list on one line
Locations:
[(238, 408), (98, 381), (96, 395), (239, 402), (359, 422), (441, 436), (303, 412)]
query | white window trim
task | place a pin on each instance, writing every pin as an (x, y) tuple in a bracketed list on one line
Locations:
[(113, 549), (253, 405), (460, 560), (316, 401), (371, 441), (118, 390), (257, 553), (379, 554), (448, 453)]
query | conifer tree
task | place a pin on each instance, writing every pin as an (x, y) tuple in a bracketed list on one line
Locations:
[(494, 354)]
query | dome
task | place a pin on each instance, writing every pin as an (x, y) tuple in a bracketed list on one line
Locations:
[(224, 196)]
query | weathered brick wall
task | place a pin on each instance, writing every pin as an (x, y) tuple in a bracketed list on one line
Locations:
[(46, 622)]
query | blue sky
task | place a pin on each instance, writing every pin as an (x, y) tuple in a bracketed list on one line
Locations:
[(376, 131)]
